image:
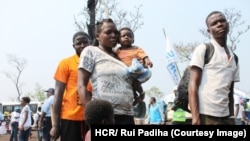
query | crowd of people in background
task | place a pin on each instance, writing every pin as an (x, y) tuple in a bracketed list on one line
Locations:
[(93, 86)]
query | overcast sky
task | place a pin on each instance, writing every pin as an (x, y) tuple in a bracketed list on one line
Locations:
[(41, 32)]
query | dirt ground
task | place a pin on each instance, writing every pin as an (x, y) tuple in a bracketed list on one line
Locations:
[(6, 137)]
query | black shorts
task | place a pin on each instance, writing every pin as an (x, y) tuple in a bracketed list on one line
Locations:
[(73, 130)]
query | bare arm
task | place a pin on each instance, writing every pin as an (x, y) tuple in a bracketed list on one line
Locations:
[(83, 79), (194, 82), (40, 121), (236, 110), (244, 118), (57, 105), (26, 113), (59, 91)]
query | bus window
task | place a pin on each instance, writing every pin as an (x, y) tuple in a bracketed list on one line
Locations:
[(33, 107), (10, 106), (1, 108)]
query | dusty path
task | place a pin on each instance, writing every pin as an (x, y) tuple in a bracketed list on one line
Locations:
[(6, 137)]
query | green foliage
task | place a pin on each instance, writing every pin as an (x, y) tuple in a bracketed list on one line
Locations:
[(38, 94), (237, 29), (185, 50), (154, 92)]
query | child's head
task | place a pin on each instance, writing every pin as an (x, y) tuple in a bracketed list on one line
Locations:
[(126, 37), (99, 112)]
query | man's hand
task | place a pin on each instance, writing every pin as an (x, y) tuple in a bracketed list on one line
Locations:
[(54, 133)]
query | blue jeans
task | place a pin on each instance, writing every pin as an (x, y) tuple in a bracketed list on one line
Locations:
[(24, 135), (239, 122), (39, 134), (46, 128), (14, 131)]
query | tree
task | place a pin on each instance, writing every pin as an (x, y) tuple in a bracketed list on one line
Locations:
[(237, 29), (154, 92), (184, 50), (19, 64), (107, 9), (38, 95)]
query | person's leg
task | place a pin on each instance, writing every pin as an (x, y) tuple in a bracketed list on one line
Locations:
[(137, 88), (12, 131), (21, 136), (24, 135), (238, 121), (15, 131), (46, 129), (27, 134), (243, 122)]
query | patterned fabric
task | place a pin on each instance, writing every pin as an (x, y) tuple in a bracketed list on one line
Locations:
[(109, 79)]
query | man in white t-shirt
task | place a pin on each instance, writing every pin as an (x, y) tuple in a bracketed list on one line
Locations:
[(210, 83)]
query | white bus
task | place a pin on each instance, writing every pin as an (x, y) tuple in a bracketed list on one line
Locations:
[(10, 106)]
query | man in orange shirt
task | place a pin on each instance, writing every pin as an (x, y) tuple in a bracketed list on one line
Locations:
[(68, 111)]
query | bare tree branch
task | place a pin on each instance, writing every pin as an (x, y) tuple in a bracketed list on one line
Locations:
[(236, 27), (19, 64), (185, 50), (95, 11)]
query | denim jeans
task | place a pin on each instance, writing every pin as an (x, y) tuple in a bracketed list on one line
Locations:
[(46, 128), (24, 135), (14, 131)]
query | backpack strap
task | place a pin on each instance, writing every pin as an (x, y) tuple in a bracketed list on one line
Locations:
[(231, 93), (209, 52), (235, 58)]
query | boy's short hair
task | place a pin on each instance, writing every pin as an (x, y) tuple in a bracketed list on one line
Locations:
[(210, 14), (98, 110)]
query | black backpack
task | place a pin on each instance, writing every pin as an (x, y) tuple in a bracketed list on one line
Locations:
[(181, 99), (140, 110)]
